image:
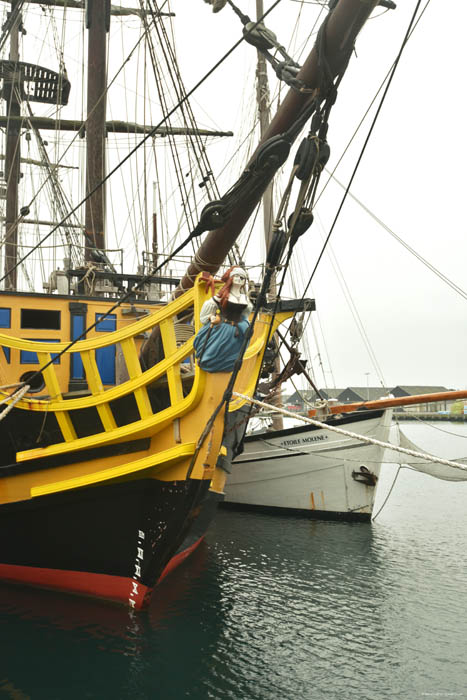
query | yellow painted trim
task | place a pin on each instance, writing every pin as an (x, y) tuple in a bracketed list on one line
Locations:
[(63, 419), (95, 384), (151, 375), (257, 348), (173, 373), (135, 328), (133, 366), (170, 456), (149, 425)]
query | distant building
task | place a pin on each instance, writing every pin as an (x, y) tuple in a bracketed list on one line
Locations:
[(431, 407), (301, 400), (362, 393)]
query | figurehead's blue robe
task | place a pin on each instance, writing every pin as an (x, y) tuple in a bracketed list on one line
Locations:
[(217, 346)]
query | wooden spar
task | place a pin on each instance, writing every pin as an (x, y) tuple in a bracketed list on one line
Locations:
[(393, 402), (343, 26), (114, 9), (263, 99), (95, 124), (111, 127), (12, 161)]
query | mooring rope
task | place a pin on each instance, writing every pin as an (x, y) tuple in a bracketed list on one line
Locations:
[(369, 441), (16, 396)]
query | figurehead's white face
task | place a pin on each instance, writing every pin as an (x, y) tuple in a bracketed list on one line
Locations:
[(239, 277)]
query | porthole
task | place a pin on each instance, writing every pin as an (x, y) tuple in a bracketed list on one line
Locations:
[(35, 380)]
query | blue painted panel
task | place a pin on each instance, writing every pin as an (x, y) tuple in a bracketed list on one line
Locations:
[(5, 318), (6, 352), (30, 358), (105, 357), (109, 323), (77, 327)]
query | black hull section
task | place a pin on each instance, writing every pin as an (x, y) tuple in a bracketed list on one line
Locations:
[(113, 541), (313, 514)]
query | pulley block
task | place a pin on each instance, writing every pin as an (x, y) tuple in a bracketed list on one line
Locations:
[(311, 157), (302, 224), (273, 153), (324, 153), (257, 34), (213, 215), (305, 159), (276, 248)]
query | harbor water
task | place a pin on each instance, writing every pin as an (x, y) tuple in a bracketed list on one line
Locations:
[(274, 607)]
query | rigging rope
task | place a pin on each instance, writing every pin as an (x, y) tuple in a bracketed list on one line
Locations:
[(388, 493), (411, 250), (16, 396)]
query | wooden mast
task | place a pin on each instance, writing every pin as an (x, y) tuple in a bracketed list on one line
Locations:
[(97, 22), (263, 102), (12, 156), (345, 21)]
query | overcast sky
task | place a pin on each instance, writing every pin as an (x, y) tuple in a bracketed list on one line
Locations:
[(411, 177)]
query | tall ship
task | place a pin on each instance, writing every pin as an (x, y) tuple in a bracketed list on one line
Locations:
[(116, 433)]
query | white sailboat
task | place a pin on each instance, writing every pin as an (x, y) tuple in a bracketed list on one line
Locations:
[(312, 471)]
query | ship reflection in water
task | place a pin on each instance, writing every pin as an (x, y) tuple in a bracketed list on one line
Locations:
[(270, 607)]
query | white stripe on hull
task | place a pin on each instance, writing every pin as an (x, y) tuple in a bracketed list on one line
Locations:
[(309, 470)]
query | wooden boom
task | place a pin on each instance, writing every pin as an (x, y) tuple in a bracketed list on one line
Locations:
[(392, 402)]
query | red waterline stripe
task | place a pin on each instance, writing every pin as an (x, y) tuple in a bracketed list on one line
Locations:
[(178, 558), (114, 588)]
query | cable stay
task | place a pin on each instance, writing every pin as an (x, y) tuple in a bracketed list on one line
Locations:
[(411, 250)]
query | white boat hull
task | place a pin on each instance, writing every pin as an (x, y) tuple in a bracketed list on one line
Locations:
[(312, 470)]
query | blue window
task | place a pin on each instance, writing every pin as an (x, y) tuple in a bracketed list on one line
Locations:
[(77, 328), (5, 318), (108, 323), (30, 358), (105, 357), (5, 322)]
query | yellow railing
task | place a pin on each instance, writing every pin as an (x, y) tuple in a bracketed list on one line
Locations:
[(148, 423)]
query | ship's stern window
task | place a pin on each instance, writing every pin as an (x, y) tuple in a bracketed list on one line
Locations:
[(43, 319)]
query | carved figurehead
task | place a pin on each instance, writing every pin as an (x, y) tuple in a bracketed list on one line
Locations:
[(225, 321)]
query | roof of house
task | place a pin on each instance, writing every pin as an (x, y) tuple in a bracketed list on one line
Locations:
[(368, 393), (331, 393), (414, 390)]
